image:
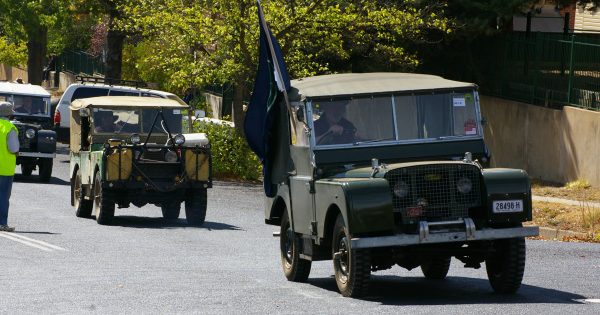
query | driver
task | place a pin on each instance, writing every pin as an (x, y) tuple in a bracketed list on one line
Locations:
[(332, 127), (104, 121)]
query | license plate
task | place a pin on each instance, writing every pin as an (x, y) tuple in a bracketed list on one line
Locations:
[(507, 206)]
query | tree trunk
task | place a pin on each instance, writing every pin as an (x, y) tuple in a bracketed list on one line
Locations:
[(237, 111), (114, 54), (36, 53)]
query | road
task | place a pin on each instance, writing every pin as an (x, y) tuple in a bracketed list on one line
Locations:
[(58, 263)]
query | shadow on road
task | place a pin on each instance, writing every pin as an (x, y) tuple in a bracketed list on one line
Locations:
[(391, 290), (36, 232), (160, 223), (35, 179)]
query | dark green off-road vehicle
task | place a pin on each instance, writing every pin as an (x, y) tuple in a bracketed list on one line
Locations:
[(130, 150), (389, 169)]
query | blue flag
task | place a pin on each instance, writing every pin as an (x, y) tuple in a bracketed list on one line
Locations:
[(271, 81)]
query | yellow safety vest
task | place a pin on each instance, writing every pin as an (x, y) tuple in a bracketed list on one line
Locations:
[(8, 160)]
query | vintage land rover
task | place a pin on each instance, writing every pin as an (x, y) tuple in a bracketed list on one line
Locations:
[(32, 118), (131, 150), (389, 169)]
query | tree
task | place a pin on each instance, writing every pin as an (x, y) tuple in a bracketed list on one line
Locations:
[(30, 21), (205, 42)]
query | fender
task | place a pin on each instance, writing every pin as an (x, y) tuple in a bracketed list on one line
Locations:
[(507, 184)]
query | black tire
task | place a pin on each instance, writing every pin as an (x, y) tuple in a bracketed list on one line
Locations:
[(294, 268), (436, 268), (171, 210), (352, 268), (26, 169), (195, 206), (104, 206), (83, 207), (506, 264), (45, 170)]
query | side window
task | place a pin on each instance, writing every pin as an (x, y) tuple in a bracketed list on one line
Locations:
[(85, 92), (123, 93)]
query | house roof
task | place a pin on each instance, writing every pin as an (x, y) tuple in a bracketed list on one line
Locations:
[(369, 83)]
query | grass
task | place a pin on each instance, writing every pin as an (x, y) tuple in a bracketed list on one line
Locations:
[(579, 190), (582, 218)]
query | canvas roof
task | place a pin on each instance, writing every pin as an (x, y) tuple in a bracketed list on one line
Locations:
[(127, 101), (369, 83), (23, 89)]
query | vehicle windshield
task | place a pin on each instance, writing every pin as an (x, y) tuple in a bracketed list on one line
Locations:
[(397, 118), (124, 121), (25, 105)]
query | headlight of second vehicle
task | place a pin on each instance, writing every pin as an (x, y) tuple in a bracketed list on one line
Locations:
[(171, 156), (464, 185), (30, 133), (179, 139), (135, 139)]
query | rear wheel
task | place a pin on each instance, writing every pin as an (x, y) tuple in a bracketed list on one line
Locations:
[(295, 268), (352, 268), (171, 210), (506, 264), (195, 206), (104, 206), (436, 268), (27, 169), (83, 207), (45, 170)]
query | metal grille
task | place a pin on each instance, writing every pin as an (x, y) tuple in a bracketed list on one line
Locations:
[(156, 171), (24, 142), (430, 192)]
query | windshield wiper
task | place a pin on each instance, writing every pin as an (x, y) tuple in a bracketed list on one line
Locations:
[(373, 140)]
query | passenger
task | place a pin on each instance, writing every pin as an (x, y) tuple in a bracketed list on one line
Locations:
[(332, 127), (104, 121)]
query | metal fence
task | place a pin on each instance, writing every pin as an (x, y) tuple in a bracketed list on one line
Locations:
[(79, 62), (546, 69)]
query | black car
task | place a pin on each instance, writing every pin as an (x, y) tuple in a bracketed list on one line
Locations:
[(32, 118)]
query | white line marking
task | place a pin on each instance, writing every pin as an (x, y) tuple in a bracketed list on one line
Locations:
[(10, 237), (592, 300), (38, 242), (30, 242)]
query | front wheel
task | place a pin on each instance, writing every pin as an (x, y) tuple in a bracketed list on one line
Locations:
[(27, 169), (195, 206), (352, 268), (506, 264), (104, 206), (171, 210), (295, 268), (45, 170)]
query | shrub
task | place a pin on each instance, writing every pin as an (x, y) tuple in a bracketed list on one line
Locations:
[(232, 158), (578, 184)]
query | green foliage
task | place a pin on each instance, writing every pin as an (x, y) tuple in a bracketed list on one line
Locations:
[(13, 54), (232, 158)]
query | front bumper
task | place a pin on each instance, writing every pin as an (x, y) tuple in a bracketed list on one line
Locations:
[(37, 155), (427, 237)]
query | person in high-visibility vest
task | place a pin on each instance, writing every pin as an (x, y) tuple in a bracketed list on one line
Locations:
[(9, 146)]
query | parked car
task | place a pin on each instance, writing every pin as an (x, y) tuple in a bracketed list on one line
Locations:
[(32, 118), (388, 169), (94, 87), (131, 150)]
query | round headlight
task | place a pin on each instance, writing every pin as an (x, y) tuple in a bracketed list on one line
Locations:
[(401, 189), (171, 156), (135, 138), (30, 133), (179, 139), (464, 185)]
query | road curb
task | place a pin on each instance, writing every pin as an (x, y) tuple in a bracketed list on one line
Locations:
[(550, 233)]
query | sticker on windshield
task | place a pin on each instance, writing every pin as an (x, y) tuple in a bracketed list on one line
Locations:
[(459, 102)]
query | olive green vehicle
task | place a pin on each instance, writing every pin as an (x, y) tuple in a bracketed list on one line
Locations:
[(389, 169), (131, 150)]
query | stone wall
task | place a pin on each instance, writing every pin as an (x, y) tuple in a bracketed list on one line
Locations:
[(553, 145), (9, 73)]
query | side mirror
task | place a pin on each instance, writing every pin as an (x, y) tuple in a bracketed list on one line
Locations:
[(84, 112), (198, 113), (483, 121), (300, 113)]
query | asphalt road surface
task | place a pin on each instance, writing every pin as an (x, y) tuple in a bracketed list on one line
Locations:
[(58, 263)]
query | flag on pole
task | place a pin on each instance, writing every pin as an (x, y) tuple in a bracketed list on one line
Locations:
[(270, 89)]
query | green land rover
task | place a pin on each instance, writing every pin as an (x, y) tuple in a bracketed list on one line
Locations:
[(389, 169), (131, 150)]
